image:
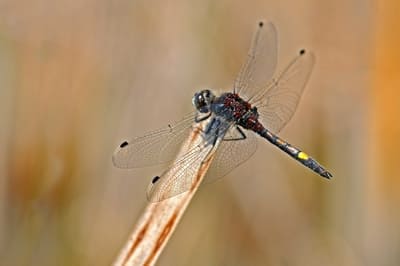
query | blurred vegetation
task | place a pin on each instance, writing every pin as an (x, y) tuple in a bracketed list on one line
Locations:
[(77, 77)]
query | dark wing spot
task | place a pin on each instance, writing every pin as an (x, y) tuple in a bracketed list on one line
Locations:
[(123, 144), (155, 179), (302, 51), (260, 24)]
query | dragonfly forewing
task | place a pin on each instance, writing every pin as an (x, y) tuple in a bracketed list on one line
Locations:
[(261, 61), (156, 147)]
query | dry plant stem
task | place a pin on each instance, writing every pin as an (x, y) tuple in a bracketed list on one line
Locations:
[(157, 223)]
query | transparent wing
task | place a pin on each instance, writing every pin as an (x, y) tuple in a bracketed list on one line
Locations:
[(180, 176), (230, 154), (156, 147), (278, 101), (261, 61)]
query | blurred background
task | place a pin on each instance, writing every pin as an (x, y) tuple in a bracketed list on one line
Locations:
[(77, 77)]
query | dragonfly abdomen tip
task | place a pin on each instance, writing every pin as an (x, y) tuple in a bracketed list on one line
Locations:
[(327, 175)]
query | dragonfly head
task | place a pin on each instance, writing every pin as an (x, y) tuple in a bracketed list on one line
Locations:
[(202, 100)]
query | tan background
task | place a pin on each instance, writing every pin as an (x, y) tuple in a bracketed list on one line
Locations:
[(77, 77)]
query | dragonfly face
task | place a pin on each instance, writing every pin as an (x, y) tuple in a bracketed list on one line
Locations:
[(202, 101)]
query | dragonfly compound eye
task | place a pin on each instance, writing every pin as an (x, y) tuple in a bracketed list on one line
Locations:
[(199, 101), (208, 96)]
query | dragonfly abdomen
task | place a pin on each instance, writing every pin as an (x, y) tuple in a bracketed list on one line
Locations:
[(294, 152)]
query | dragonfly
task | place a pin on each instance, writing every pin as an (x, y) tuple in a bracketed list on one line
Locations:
[(261, 101)]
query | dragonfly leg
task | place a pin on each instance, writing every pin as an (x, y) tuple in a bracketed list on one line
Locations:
[(201, 117), (242, 136)]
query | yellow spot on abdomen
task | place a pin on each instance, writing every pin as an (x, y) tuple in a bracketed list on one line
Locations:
[(302, 155)]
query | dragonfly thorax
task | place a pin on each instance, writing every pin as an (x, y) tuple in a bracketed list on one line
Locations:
[(233, 107)]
